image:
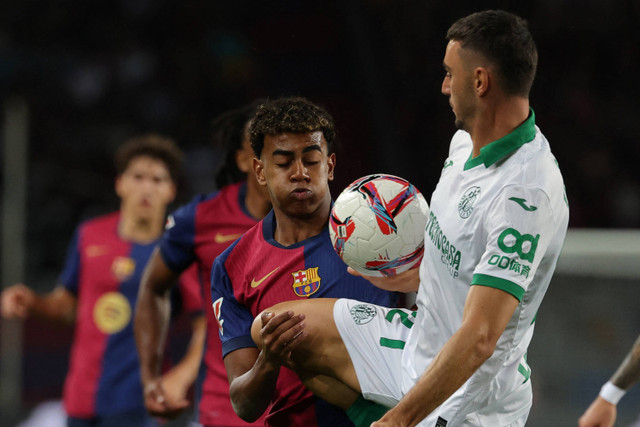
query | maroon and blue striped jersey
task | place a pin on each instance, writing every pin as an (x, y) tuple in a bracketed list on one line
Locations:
[(197, 233), (103, 271), (257, 272)]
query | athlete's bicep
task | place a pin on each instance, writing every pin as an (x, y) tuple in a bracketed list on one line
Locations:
[(157, 276)]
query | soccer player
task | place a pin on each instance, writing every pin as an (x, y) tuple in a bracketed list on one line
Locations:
[(99, 287), (287, 256), (603, 412), (498, 220), (197, 233)]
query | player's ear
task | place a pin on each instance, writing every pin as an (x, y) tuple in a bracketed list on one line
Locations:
[(331, 163), (481, 80), (258, 169)]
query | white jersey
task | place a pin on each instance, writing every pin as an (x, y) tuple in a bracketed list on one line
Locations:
[(496, 220)]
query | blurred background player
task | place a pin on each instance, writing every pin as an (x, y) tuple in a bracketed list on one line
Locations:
[(197, 233), (287, 256), (603, 410), (99, 287)]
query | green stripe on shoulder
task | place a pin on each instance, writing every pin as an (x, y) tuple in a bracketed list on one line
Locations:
[(498, 283)]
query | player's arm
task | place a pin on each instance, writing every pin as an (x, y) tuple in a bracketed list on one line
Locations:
[(151, 322), (20, 302), (486, 314), (177, 381), (253, 374), (603, 411)]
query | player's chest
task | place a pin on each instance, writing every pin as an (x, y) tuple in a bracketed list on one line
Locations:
[(290, 274)]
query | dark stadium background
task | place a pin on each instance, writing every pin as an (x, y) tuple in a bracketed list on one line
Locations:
[(95, 73)]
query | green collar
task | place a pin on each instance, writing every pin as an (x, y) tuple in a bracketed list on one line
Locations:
[(496, 150)]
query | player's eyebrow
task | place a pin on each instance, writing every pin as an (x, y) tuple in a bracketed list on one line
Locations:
[(312, 147), (279, 152)]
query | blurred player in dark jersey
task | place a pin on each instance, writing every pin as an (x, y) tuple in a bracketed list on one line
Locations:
[(197, 233), (99, 285), (287, 256)]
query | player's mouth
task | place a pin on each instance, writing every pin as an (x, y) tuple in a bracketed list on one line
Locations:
[(301, 193)]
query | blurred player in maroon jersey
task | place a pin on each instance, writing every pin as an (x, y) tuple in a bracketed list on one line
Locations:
[(197, 233)]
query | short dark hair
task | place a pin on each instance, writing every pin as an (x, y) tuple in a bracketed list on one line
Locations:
[(151, 145), (504, 39), (227, 132), (293, 115)]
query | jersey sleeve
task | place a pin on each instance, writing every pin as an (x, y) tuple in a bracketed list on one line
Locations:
[(69, 275), (234, 320), (177, 242), (519, 226)]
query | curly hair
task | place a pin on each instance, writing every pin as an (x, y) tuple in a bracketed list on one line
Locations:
[(293, 115), (154, 146), (504, 39)]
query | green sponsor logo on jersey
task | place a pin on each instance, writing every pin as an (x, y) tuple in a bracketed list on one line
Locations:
[(449, 255), (512, 241), (522, 203)]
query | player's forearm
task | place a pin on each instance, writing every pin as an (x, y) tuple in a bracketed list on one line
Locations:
[(458, 359), (59, 305), (189, 365), (629, 371), (151, 323), (251, 392)]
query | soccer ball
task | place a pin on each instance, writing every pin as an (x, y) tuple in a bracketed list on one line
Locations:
[(377, 225)]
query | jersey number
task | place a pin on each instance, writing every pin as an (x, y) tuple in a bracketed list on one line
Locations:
[(405, 320)]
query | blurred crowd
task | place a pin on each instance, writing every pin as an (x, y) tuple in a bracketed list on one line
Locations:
[(93, 73)]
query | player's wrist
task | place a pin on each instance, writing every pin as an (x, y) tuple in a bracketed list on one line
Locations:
[(612, 393)]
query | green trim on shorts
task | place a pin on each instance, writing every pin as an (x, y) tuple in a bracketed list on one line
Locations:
[(498, 283), (363, 412), (388, 342)]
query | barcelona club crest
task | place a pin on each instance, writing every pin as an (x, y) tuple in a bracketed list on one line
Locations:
[(306, 282), (122, 268)]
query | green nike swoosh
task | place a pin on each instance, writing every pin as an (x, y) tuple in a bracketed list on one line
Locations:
[(522, 204)]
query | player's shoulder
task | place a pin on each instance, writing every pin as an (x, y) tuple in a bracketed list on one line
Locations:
[(461, 140), (251, 242)]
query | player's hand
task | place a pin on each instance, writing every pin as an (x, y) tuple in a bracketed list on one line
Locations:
[(600, 414), (407, 281), (160, 403), (17, 300), (280, 335)]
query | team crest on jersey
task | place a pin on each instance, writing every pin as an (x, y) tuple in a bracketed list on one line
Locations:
[(306, 282), (468, 200), (122, 268), (362, 313)]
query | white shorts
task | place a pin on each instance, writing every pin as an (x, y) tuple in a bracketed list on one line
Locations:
[(374, 337)]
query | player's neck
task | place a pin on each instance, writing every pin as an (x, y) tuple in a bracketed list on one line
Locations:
[(498, 120), (140, 230), (293, 229)]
